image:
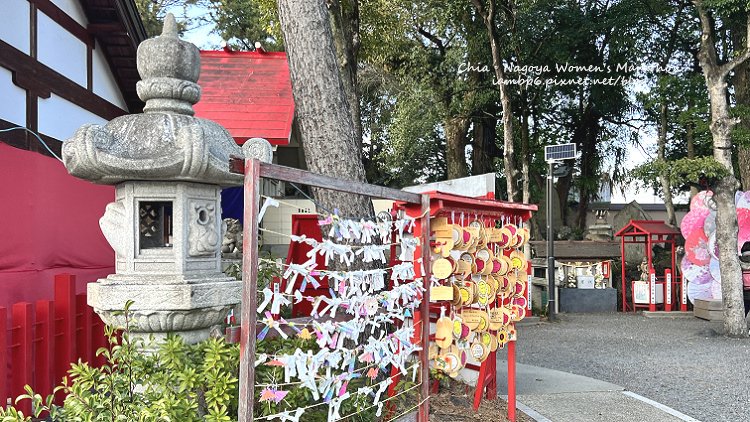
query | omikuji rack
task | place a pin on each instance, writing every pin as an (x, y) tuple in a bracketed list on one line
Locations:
[(444, 204)]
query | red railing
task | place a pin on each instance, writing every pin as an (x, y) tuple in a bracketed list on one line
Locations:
[(40, 340)]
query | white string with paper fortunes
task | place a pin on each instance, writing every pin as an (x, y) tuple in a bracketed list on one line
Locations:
[(367, 307)]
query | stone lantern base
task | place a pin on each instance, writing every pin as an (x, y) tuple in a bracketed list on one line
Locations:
[(189, 310)]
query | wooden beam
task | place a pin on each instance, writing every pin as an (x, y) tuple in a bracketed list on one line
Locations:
[(108, 29), (249, 317), (32, 75), (303, 177)]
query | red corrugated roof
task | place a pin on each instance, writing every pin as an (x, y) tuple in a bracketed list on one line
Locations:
[(249, 93)]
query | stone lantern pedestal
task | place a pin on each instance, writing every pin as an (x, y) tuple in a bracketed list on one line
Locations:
[(165, 224)]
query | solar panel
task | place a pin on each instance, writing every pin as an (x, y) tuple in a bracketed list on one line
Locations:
[(559, 152)]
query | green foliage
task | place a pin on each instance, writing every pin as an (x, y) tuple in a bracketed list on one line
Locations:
[(244, 22), (153, 12), (173, 382), (680, 172)]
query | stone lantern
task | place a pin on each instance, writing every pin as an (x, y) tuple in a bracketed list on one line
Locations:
[(165, 223)]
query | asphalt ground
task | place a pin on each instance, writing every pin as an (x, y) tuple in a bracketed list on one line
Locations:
[(683, 363)]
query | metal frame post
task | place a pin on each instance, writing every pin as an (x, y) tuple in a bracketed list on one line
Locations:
[(552, 294), (426, 271), (249, 318), (512, 381)]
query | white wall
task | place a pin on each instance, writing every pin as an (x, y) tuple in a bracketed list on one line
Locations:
[(73, 9), (14, 24), (60, 50), (60, 118), (103, 80), (12, 99), (279, 219)]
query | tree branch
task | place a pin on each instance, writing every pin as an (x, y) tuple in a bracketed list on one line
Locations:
[(479, 5), (729, 66), (433, 38), (707, 52)]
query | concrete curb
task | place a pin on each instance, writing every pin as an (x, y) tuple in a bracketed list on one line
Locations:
[(662, 407)]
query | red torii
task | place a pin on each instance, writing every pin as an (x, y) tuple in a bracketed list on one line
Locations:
[(648, 232)]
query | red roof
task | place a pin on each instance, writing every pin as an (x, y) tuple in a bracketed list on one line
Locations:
[(249, 93), (647, 227)]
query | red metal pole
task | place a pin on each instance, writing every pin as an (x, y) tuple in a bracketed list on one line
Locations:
[(3, 356), (512, 381), (424, 309), (249, 315), (622, 280), (44, 352), (21, 337)]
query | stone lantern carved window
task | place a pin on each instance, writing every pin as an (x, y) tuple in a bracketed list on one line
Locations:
[(155, 224), (204, 238)]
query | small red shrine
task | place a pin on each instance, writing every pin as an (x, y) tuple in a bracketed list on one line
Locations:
[(658, 292)]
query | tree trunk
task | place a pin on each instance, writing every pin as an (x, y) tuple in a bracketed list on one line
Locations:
[(509, 160), (666, 186), (726, 213), (741, 82), (729, 266), (322, 109), (743, 158), (586, 135), (345, 28), (525, 150), (456, 130), (690, 137), (484, 148)]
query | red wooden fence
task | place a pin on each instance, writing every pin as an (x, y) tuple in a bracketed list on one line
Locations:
[(39, 341)]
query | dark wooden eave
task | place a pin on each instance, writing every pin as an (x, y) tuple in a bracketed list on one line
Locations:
[(578, 250), (118, 28)]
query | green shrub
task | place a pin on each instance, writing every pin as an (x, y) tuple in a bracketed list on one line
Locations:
[(174, 381)]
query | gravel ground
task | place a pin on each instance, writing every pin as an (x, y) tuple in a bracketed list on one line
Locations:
[(681, 362)]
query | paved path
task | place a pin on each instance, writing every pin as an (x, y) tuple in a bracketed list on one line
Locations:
[(550, 395), (683, 362)]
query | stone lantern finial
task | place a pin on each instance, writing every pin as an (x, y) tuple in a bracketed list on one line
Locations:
[(169, 69), (170, 27)]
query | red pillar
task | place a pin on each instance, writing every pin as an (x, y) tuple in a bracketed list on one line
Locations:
[(3, 355), (652, 290), (683, 293), (44, 351), (65, 314), (668, 290), (83, 329), (23, 323)]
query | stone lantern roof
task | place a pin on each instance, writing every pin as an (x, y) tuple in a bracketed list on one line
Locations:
[(165, 142)]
